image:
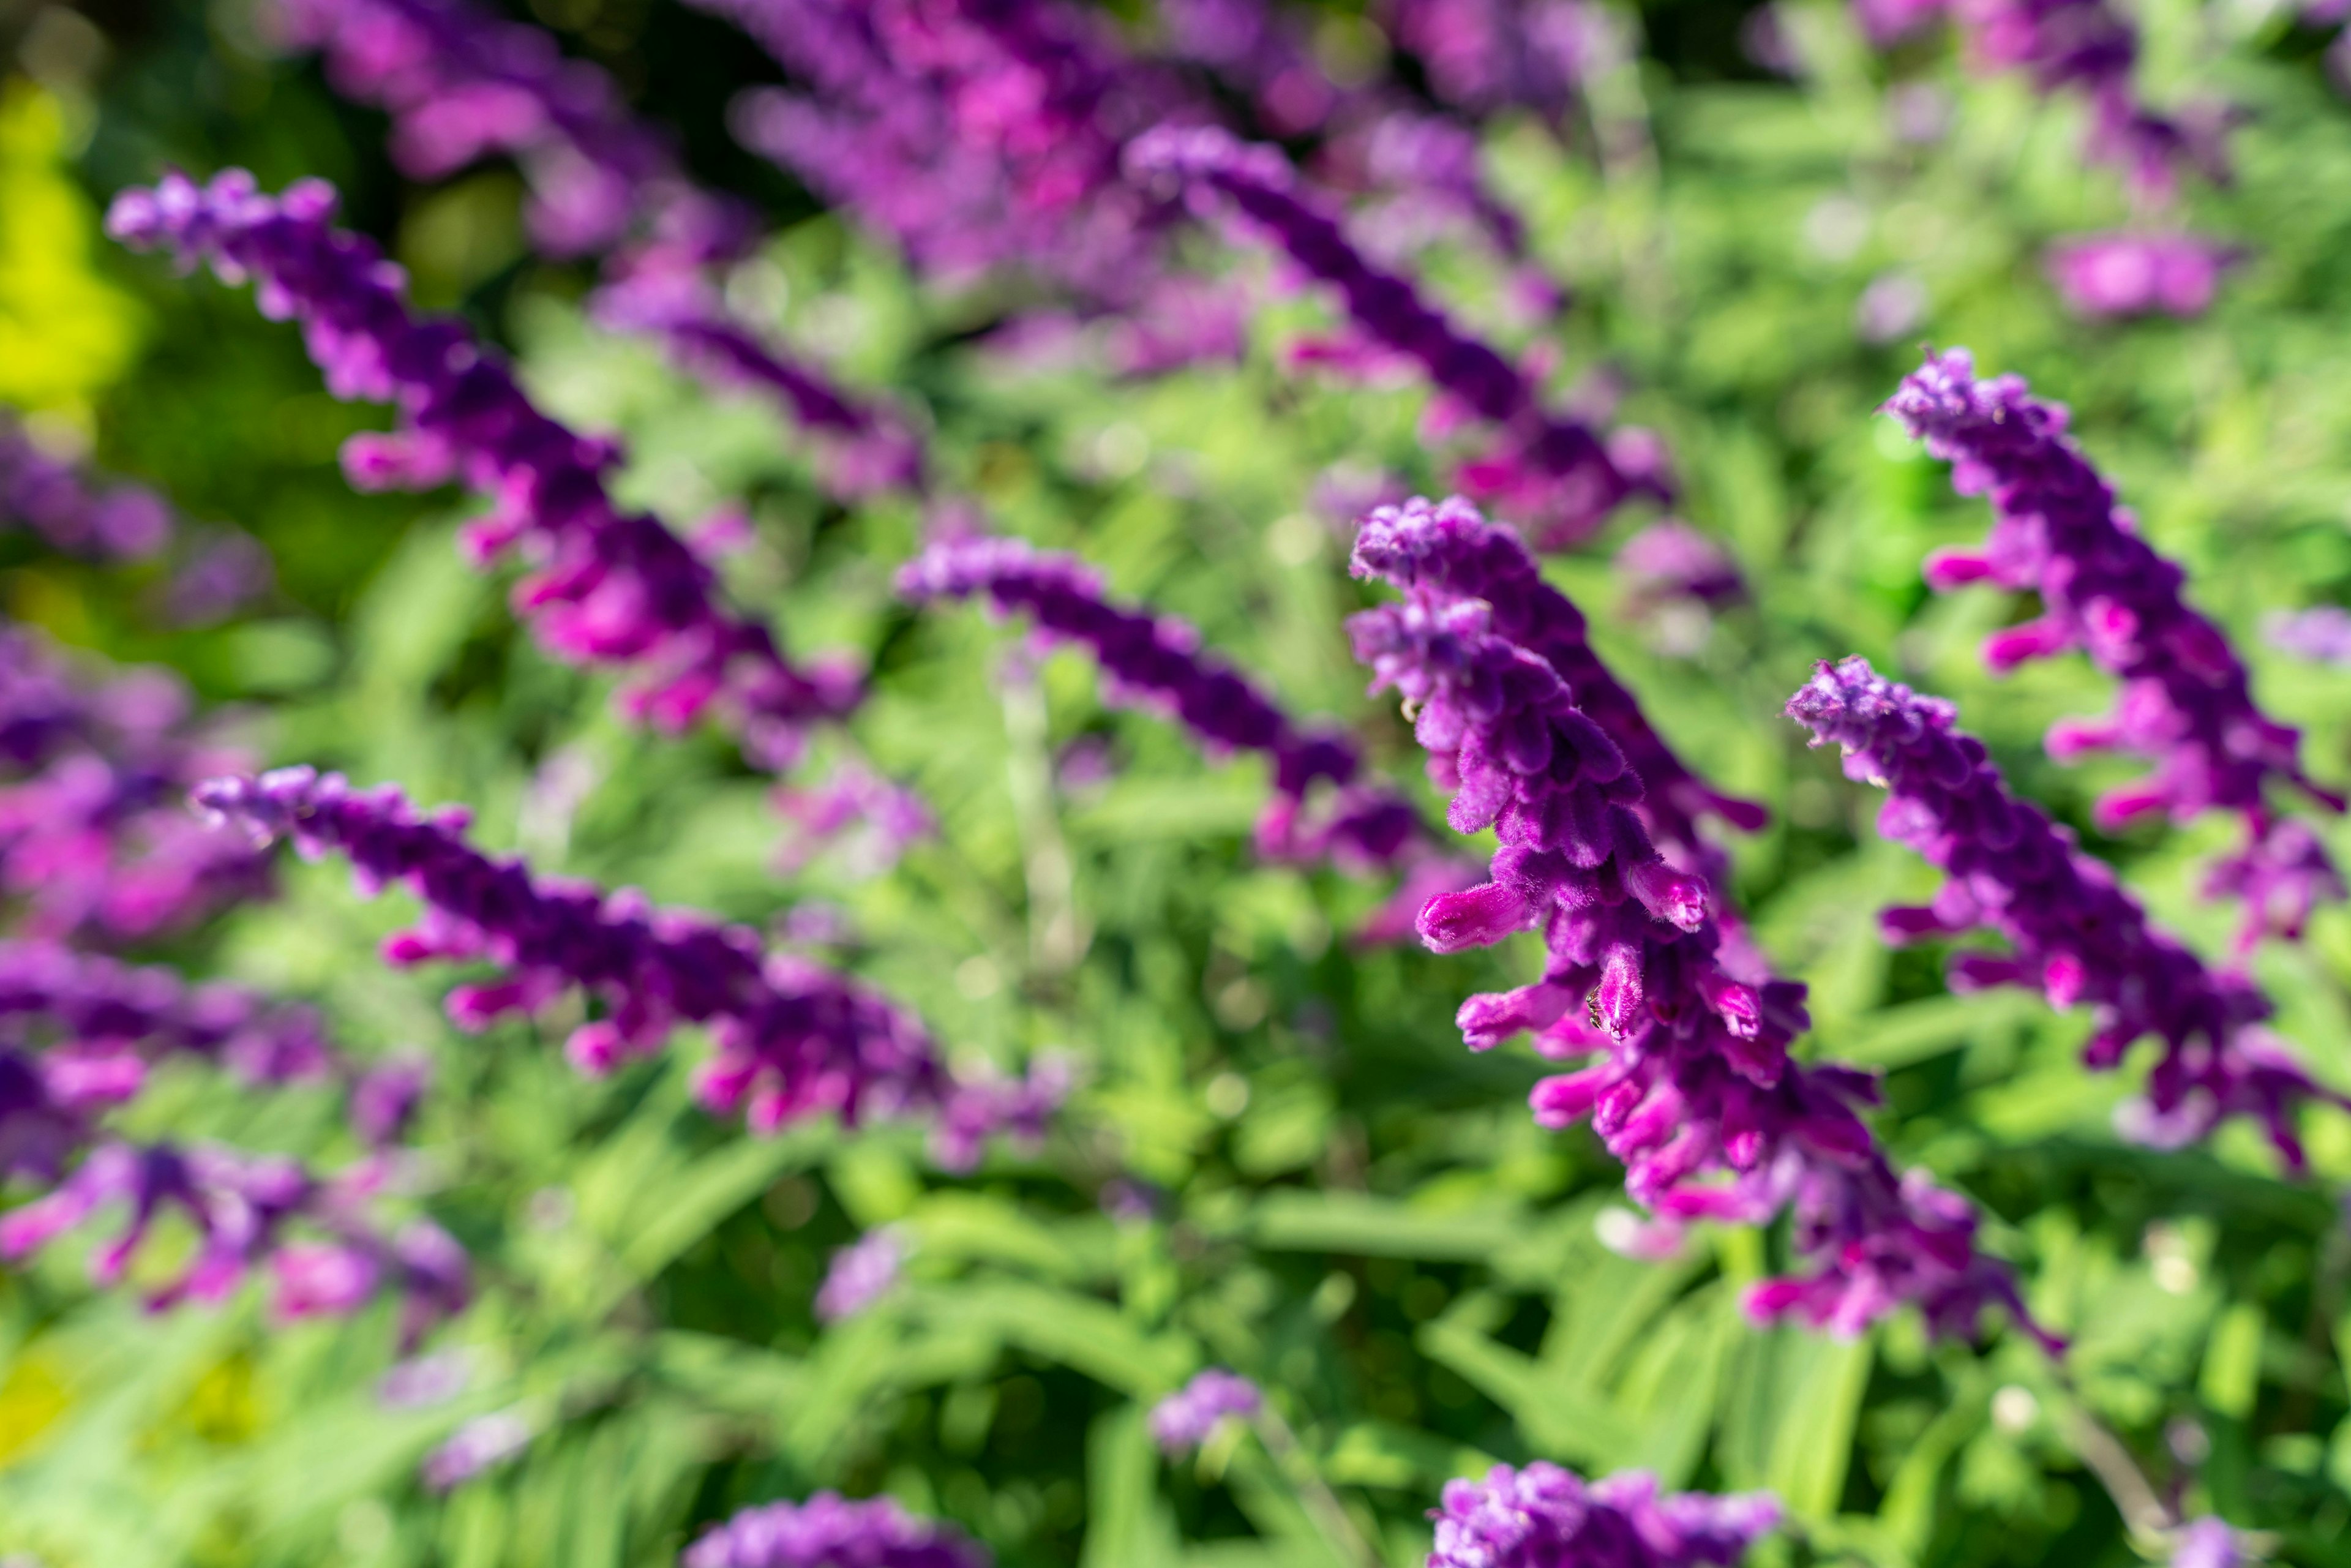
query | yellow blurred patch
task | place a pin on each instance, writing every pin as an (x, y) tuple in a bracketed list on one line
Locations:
[(64, 332), (32, 1396)]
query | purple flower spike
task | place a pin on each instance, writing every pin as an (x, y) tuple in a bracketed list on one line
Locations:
[(1546, 1517), (616, 588), (38, 491), (2209, 1542), (480, 1445), (2058, 531), (1189, 1417), (2139, 275), (1693, 1088), (830, 1532), (794, 1040), (1156, 662), (1451, 548), (1549, 467), (860, 1274), (2072, 932)]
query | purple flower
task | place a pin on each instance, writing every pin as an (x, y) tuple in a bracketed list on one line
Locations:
[(2139, 274), (384, 1099), (868, 819), (2058, 531), (794, 1040), (1675, 577), (985, 1105), (1693, 1088), (1489, 55), (48, 496), (2322, 634), (860, 1274), (1550, 467), (424, 1380), (2209, 1542), (830, 1532), (1155, 661), (1187, 1417), (2072, 932), (614, 586), (1546, 1517), (480, 1445)]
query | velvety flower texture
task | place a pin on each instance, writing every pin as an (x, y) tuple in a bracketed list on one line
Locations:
[(2072, 932), (1155, 661), (610, 587), (794, 1040), (1546, 1517), (1548, 467), (2139, 274), (96, 839), (1187, 1417), (830, 1532), (57, 502), (1693, 1088), (2058, 530)]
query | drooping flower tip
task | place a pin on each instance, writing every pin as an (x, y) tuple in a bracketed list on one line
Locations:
[(830, 1532), (1187, 1417), (480, 1445), (1547, 1517)]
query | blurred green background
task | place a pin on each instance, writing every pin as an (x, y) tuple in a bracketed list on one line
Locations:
[(1350, 1207)]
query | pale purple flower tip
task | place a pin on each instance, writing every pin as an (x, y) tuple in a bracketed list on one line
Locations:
[(2139, 274), (480, 1445), (1186, 1418), (2321, 634), (860, 1274), (2209, 1542), (97, 521), (830, 1532), (1547, 1517), (424, 1380)]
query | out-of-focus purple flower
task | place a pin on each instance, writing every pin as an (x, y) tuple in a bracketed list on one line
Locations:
[(795, 1039), (97, 521), (2209, 1542), (424, 1380), (2322, 635), (480, 1445), (830, 1532), (384, 1099), (250, 1212), (1891, 306), (1548, 467), (1693, 1088), (1130, 1202), (863, 817), (460, 84), (985, 1105), (860, 1274), (1546, 1517), (2139, 274), (1888, 21), (1155, 661), (1187, 1417), (2057, 531), (1672, 560), (2072, 932), (1488, 55), (611, 587), (222, 570), (1918, 112)]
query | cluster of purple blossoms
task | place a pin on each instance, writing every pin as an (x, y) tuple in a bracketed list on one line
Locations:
[(1548, 469), (1693, 1089), (794, 1040), (53, 499), (2072, 932), (1484, 55), (830, 1532), (96, 841), (2113, 275), (610, 587), (78, 1036), (1154, 661), (2186, 700), (460, 84), (1546, 1517), (1189, 1417)]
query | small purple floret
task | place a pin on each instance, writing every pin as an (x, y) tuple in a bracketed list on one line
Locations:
[(1186, 1418), (830, 1532), (1547, 1517)]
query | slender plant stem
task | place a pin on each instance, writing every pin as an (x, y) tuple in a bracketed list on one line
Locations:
[(1314, 1494), (1059, 933)]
